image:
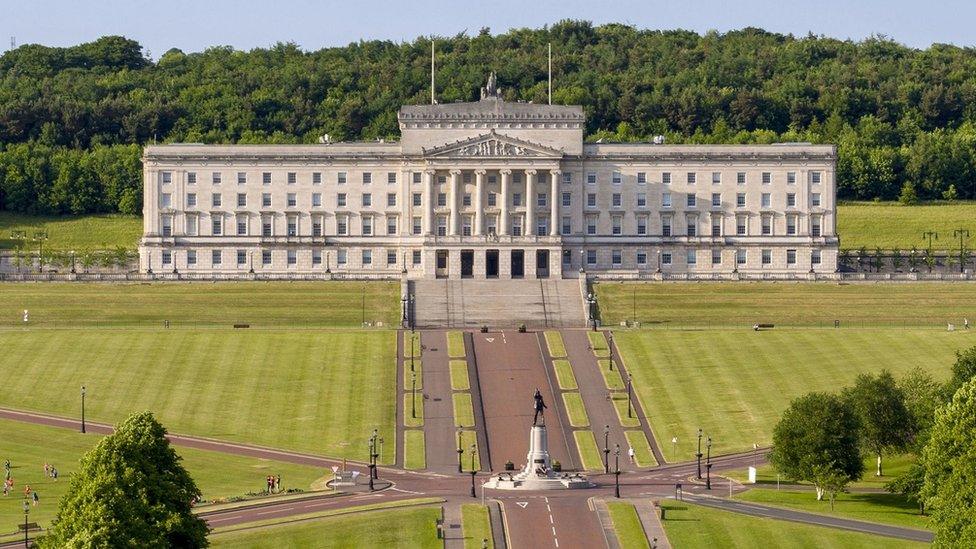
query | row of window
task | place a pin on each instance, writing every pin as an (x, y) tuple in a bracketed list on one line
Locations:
[(245, 258), (666, 258)]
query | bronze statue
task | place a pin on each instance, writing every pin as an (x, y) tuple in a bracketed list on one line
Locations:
[(540, 406)]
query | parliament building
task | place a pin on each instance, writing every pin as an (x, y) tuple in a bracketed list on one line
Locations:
[(490, 189)]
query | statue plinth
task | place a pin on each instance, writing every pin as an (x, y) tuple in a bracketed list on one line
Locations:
[(537, 474)]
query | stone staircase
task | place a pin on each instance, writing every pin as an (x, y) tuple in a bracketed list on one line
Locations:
[(466, 303)]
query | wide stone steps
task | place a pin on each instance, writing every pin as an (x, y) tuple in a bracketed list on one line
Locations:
[(497, 303)]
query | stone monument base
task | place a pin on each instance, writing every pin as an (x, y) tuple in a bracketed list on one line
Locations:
[(537, 473)]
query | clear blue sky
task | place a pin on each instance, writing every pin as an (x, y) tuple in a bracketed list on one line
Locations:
[(195, 25)]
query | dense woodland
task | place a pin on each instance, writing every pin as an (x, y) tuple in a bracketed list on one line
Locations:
[(72, 120)]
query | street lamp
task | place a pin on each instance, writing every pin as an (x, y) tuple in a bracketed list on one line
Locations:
[(375, 454), (371, 464), (460, 451), (629, 412), (82, 408), (472, 470), (606, 449), (590, 301), (659, 262), (609, 345), (413, 394), (708, 464), (73, 262), (582, 261), (962, 234), (616, 472), (413, 350), (26, 524), (698, 456)]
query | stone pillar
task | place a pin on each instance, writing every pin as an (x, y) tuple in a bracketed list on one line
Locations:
[(554, 203), (479, 184), (454, 201), (529, 203), (429, 202), (503, 216)]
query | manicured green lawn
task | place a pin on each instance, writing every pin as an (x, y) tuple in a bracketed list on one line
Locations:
[(469, 437), (742, 304), (476, 526), (260, 304), (415, 451), (87, 232), (871, 507), (554, 341), (463, 412), (413, 406), (308, 390), (459, 375), (598, 343), (611, 378), (620, 405), (693, 526), (576, 410), (735, 384), (894, 466), (564, 375), (891, 225), (409, 377), (415, 349), (29, 447), (455, 344), (588, 451), (627, 526), (642, 448), (405, 527)]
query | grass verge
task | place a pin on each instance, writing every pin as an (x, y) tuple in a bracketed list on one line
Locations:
[(554, 341), (871, 507), (408, 416), (627, 525), (415, 350), (476, 526), (418, 368), (455, 344), (620, 405), (564, 375), (576, 410), (469, 438), (82, 232), (642, 448), (414, 449), (599, 345), (459, 375), (463, 411), (588, 451), (611, 378)]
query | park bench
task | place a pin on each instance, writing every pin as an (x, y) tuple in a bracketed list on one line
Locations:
[(758, 327), (242, 325)]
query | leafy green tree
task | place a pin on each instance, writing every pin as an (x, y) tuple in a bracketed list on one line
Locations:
[(830, 480), (963, 370), (818, 431), (950, 458), (923, 395), (130, 491), (910, 484), (886, 423)]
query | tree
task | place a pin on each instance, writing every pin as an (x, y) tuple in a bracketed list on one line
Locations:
[(131, 490), (950, 459), (909, 484), (923, 395), (829, 479), (886, 423), (818, 430), (963, 370)]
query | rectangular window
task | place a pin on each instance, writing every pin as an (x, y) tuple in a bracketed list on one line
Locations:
[(642, 258), (292, 178), (641, 200), (341, 258), (418, 199), (417, 225), (265, 200), (341, 178), (716, 200), (740, 225), (716, 178), (316, 257), (815, 227), (615, 178), (567, 178), (466, 200), (241, 178), (766, 200), (266, 257), (391, 178), (815, 200), (641, 225), (616, 200), (492, 199), (791, 257), (591, 178), (666, 200), (666, 178), (367, 200), (567, 225), (167, 200), (616, 223), (215, 200), (342, 226), (692, 177), (791, 225), (216, 257), (317, 180), (740, 200), (317, 226), (292, 226), (216, 178), (616, 258), (191, 200), (790, 200), (540, 200), (740, 178), (367, 178), (416, 256), (591, 225), (316, 200), (217, 224), (391, 199), (815, 177), (591, 200), (191, 257), (591, 257), (191, 179), (417, 176), (267, 227), (441, 226), (666, 226), (241, 257), (391, 225), (692, 200), (341, 200), (441, 200), (716, 257), (767, 225), (692, 258), (367, 257), (716, 226), (767, 178), (641, 178), (242, 227), (167, 257), (391, 257), (767, 257), (567, 200), (791, 178), (266, 178), (367, 226), (241, 200), (740, 257), (692, 226), (815, 257), (666, 258), (516, 199), (292, 258)]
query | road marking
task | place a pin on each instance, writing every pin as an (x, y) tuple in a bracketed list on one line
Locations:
[(522, 504), (555, 539), (490, 339), (267, 512)]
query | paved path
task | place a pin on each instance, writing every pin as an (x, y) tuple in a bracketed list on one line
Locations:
[(440, 434), (555, 519)]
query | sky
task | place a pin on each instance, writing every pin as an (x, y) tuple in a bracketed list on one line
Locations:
[(196, 25)]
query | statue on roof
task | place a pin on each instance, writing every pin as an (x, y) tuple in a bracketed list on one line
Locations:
[(491, 89)]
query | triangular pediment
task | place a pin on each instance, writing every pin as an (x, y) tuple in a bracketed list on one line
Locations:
[(493, 145)]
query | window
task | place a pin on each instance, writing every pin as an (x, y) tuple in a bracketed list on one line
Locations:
[(791, 178), (767, 257), (316, 200), (241, 200), (367, 200), (541, 200), (541, 227), (567, 200), (465, 200), (692, 258), (692, 226), (466, 226), (391, 257), (790, 200), (341, 257), (767, 178), (417, 225), (641, 178), (615, 178), (740, 178), (691, 178), (567, 225), (391, 199), (666, 178), (665, 258), (740, 225), (316, 257), (591, 225), (567, 178), (317, 226), (615, 258), (591, 178), (191, 257), (317, 180), (167, 257), (591, 200), (740, 257), (815, 200), (191, 225), (241, 178), (740, 200), (242, 226), (815, 257), (591, 257), (418, 199), (191, 200), (616, 200), (666, 200), (391, 178), (815, 226), (716, 200), (666, 226), (641, 200), (791, 257), (716, 226), (167, 177), (216, 257), (616, 223), (267, 227), (441, 226), (265, 200), (766, 200), (217, 224), (492, 199), (716, 178), (367, 226), (516, 199), (791, 225), (767, 225), (167, 200), (191, 179), (241, 257), (642, 258), (292, 258), (441, 200), (417, 177), (341, 178), (266, 178), (716, 257), (292, 226), (815, 178), (292, 178), (266, 257), (391, 225), (367, 178), (216, 178), (341, 200), (692, 200), (215, 200), (342, 226), (416, 257), (641, 225)]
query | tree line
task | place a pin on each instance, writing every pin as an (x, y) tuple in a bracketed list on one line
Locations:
[(72, 119)]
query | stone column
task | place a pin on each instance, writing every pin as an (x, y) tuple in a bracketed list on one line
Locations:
[(429, 202), (479, 215), (454, 201), (554, 202), (529, 202), (503, 216)]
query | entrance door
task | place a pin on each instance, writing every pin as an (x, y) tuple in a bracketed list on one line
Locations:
[(441, 270), (518, 263), (467, 263), (542, 264), (491, 263)]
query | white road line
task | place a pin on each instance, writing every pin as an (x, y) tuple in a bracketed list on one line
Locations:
[(221, 519)]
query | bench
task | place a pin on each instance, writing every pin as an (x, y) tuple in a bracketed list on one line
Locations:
[(30, 527), (758, 327), (242, 325)]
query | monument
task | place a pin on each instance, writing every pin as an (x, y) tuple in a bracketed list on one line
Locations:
[(538, 474)]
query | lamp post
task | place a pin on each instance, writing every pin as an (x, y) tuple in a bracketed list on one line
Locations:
[(328, 269), (609, 346), (40, 237), (250, 262), (616, 472), (26, 513), (963, 234), (708, 464), (369, 447), (629, 409), (413, 349), (698, 456), (73, 262), (413, 394), (473, 448), (590, 300), (582, 261), (460, 451), (606, 449), (376, 474), (930, 235), (82, 408), (659, 262)]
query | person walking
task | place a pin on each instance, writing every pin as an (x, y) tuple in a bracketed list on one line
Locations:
[(277, 483), (630, 453), (36, 498)]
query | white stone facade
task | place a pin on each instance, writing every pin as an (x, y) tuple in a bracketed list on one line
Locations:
[(489, 189)]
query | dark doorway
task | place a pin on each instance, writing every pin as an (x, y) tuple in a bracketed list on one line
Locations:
[(491, 263), (542, 264), (467, 263), (518, 263), (441, 270)]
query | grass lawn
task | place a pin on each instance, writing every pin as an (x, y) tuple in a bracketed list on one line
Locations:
[(403, 527), (894, 466), (455, 344), (260, 304), (588, 451), (29, 446), (576, 410), (408, 410), (735, 384), (463, 411), (598, 343), (626, 525), (86, 232), (459, 375), (476, 526), (415, 350), (414, 449), (742, 304), (642, 449), (554, 341), (408, 378), (872, 507), (611, 378), (892, 225), (469, 437), (308, 390), (564, 375), (693, 526), (620, 405)]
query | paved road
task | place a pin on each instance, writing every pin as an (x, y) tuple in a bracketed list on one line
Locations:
[(439, 430)]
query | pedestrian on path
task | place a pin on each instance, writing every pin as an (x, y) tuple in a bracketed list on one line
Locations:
[(277, 483), (630, 453), (36, 498), (54, 473)]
